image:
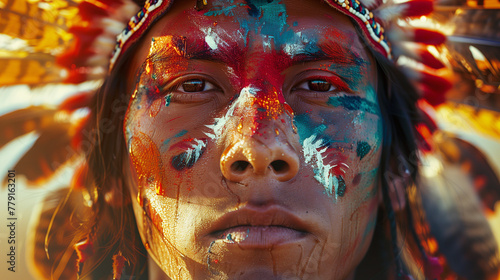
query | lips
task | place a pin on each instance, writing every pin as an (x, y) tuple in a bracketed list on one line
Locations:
[(258, 228)]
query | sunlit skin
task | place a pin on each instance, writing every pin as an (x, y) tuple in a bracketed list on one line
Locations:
[(267, 111)]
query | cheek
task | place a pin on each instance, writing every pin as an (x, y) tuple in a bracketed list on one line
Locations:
[(147, 162), (358, 233), (161, 160), (343, 151), (352, 225), (159, 145), (366, 135), (159, 187), (148, 166), (144, 153), (161, 233)]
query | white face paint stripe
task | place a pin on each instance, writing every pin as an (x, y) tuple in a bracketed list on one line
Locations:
[(313, 153), (211, 38), (219, 123), (195, 151)]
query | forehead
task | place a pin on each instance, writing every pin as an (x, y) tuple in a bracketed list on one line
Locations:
[(292, 26)]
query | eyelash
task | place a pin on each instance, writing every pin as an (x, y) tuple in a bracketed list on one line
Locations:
[(336, 84), (177, 93), (205, 82)]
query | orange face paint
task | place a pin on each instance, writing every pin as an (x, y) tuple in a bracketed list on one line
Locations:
[(147, 161)]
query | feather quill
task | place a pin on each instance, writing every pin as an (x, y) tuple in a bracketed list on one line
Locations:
[(23, 121)]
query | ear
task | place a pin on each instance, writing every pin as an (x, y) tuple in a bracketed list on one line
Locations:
[(397, 179), (397, 192)]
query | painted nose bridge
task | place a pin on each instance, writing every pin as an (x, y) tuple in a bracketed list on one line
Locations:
[(262, 141)]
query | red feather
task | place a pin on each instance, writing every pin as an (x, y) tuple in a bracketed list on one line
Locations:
[(429, 37), (418, 8), (77, 101), (81, 49), (428, 59), (88, 10), (432, 96), (434, 80)]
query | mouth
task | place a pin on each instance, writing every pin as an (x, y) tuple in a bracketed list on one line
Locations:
[(251, 228)]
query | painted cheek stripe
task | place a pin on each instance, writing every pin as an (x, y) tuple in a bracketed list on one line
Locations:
[(188, 158), (313, 150)]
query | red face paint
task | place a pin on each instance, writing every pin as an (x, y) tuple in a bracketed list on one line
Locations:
[(336, 158)]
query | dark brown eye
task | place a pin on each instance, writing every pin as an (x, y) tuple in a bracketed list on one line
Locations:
[(194, 85), (319, 85)]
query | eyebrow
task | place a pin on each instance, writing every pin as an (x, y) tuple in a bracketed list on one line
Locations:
[(232, 52), (329, 50), (182, 47)]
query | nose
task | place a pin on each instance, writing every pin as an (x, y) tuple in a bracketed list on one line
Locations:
[(262, 142), (250, 157)]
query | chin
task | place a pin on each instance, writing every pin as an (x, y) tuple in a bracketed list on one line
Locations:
[(253, 273), (297, 259)]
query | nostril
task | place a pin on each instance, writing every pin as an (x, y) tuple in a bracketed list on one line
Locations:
[(239, 166), (280, 166), (253, 158)]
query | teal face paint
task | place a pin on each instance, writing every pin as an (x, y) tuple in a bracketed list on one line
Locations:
[(341, 186), (362, 149), (323, 154), (182, 133), (188, 158), (166, 142), (168, 98), (354, 103), (268, 18), (306, 128), (327, 144)]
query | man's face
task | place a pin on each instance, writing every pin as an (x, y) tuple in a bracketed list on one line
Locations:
[(254, 138)]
